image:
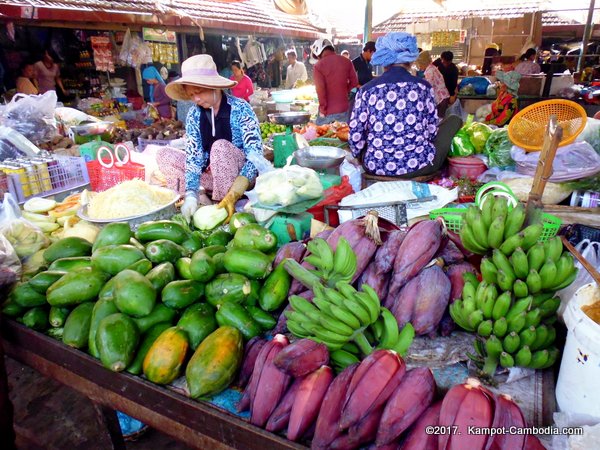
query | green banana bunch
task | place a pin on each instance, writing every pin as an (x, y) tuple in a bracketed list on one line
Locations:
[(332, 267)]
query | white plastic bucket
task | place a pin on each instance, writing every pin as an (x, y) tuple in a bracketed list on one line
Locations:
[(577, 387)]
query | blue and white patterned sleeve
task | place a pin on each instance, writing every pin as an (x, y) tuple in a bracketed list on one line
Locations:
[(195, 157), (358, 125), (432, 117), (245, 119)]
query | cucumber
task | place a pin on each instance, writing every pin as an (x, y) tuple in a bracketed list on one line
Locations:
[(77, 326), (161, 229), (251, 263), (148, 339), (161, 275), (264, 319), (218, 237), (180, 294), (228, 287), (70, 264), (57, 316), (116, 233), (36, 318), (43, 280), (68, 247), (198, 321), (234, 315), (255, 237), (164, 250), (102, 308), (160, 313), (238, 220)]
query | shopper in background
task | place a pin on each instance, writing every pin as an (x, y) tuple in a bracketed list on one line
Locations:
[(433, 76), (345, 54), (334, 78), (244, 88), (47, 74), (26, 82), (362, 64), (450, 73), (156, 92), (296, 71), (394, 123), (528, 66), (222, 130), (505, 106)]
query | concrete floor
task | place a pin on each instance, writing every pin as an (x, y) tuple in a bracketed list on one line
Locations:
[(50, 416)]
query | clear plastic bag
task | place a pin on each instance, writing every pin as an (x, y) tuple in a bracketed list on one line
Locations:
[(591, 133), (31, 115), (10, 264), (572, 162), (25, 237)]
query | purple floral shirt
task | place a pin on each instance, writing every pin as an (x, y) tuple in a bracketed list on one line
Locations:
[(394, 123)]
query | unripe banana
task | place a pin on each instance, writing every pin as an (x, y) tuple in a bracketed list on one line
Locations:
[(511, 342), (480, 294), (520, 289), (390, 329), (514, 221), (521, 305), (456, 312), (564, 267), (550, 338), (520, 264), (531, 234), (553, 355), (511, 244), (517, 323), (493, 346), (548, 274), (485, 328), (506, 360), (468, 239), (502, 305), (500, 327), (553, 248), (502, 263), (489, 272), (480, 232), (475, 318), (539, 299), (405, 338), (541, 334), (505, 281), (342, 359), (533, 318), (500, 208), (297, 329), (527, 336), (523, 357), (534, 281), (470, 277), (538, 359), (495, 235), (486, 210), (567, 281), (536, 256)]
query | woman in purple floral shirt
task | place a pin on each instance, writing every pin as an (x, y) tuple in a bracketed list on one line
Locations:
[(394, 121)]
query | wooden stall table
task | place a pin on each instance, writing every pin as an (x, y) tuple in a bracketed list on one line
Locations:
[(196, 424)]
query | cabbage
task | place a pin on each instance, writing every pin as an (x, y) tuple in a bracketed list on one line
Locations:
[(479, 133), (209, 217)]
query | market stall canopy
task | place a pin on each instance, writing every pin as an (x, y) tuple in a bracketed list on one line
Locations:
[(251, 16)]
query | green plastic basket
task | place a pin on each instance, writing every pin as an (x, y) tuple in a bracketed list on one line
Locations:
[(453, 219)]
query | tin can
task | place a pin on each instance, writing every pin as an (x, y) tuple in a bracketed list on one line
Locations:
[(21, 173), (32, 178), (43, 174), (54, 171)]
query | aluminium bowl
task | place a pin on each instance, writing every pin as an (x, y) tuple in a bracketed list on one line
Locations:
[(319, 157)]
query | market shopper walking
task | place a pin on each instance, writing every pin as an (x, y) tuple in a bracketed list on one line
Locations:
[(296, 70), (334, 78), (47, 74), (243, 88), (222, 131), (394, 123), (362, 64), (156, 92)]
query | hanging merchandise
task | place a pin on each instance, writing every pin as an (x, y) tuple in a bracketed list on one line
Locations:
[(253, 52), (103, 55)]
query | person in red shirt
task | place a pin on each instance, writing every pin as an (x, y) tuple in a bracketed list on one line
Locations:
[(244, 88), (334, 78)]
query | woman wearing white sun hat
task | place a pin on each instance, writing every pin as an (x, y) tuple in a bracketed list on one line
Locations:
[(221, 132)]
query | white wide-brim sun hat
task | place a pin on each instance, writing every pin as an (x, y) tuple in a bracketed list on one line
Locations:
[(198, 70)]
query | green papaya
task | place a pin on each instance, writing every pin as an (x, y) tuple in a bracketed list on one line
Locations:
[(43, 280), (160, 313), (265, 320), (183, 268), (161, 229), (57, 316), (134, 293), (26, 296), (67, 248), (116, 233), (238, 220), (228, 287), (148, 339), (193, 243), (112, 259), (77, 326), (218, 237), (255, 237), (36, 318), (143, 266), (117, 339), (180, 294), (70, 264), (11, 308), (79, 286), (234, 315), (198, 320), (102, 308), (161, 275), (164, 250)]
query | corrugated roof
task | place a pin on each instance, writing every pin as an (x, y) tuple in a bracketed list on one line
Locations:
[(247, 14), (553, 19)]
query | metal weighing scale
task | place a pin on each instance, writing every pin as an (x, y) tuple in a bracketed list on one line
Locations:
[(286, 144)]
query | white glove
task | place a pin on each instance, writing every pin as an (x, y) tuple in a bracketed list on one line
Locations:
[(189, 207), (204, 200)]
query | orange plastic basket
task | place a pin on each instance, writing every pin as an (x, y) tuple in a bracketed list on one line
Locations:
[(527, 128)]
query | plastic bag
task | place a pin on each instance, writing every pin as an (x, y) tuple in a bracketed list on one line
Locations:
[(591, 252), (25, 237), (285, 186), (591, 133), (461, 142), (497, 149), (31, 115), (455, 109), (478, 133), (10, 264), (354, 174), (572, 162), (480, 84), (125, 47)]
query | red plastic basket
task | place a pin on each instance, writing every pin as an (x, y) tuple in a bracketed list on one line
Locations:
[(106, 172)]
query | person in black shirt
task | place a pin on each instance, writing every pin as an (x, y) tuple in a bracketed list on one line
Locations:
[(362, 64), (450, 73)]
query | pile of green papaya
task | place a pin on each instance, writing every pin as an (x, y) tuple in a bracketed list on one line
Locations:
[(145, 301)]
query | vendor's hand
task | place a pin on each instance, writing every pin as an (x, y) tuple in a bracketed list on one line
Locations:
[(239, 186), (204, 199), (189, 207), (452, 99), (228, 203)]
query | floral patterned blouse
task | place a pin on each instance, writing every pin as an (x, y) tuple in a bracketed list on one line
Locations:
[(393, 124), (503, 109), (435, 78)]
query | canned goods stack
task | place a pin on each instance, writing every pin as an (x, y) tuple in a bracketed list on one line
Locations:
[(43, 175)]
